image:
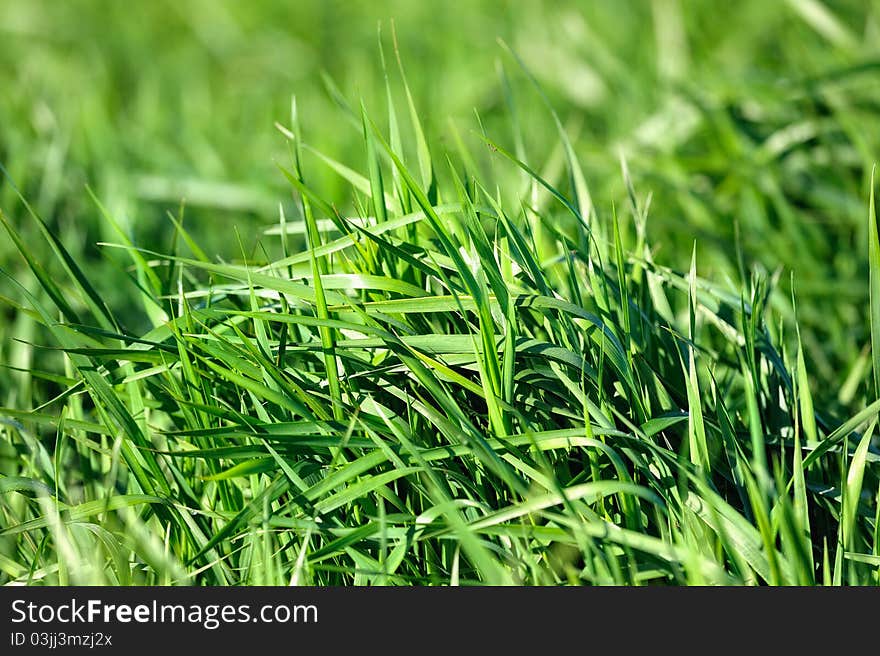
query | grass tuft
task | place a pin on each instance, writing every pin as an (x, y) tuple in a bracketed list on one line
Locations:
[(493, 363)]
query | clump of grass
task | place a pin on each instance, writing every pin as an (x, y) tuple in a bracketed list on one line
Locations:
[(473, 378), (754, 127)]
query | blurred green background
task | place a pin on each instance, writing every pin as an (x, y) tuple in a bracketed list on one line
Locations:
[(752, 125)]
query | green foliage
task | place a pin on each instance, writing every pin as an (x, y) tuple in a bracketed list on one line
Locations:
[(456, 356)]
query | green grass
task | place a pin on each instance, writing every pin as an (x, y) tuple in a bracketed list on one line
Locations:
[(616, 338)]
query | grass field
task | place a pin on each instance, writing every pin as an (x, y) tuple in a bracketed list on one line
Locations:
[(495, 293)]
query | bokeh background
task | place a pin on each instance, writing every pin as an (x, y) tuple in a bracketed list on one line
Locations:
[(752, 125)]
